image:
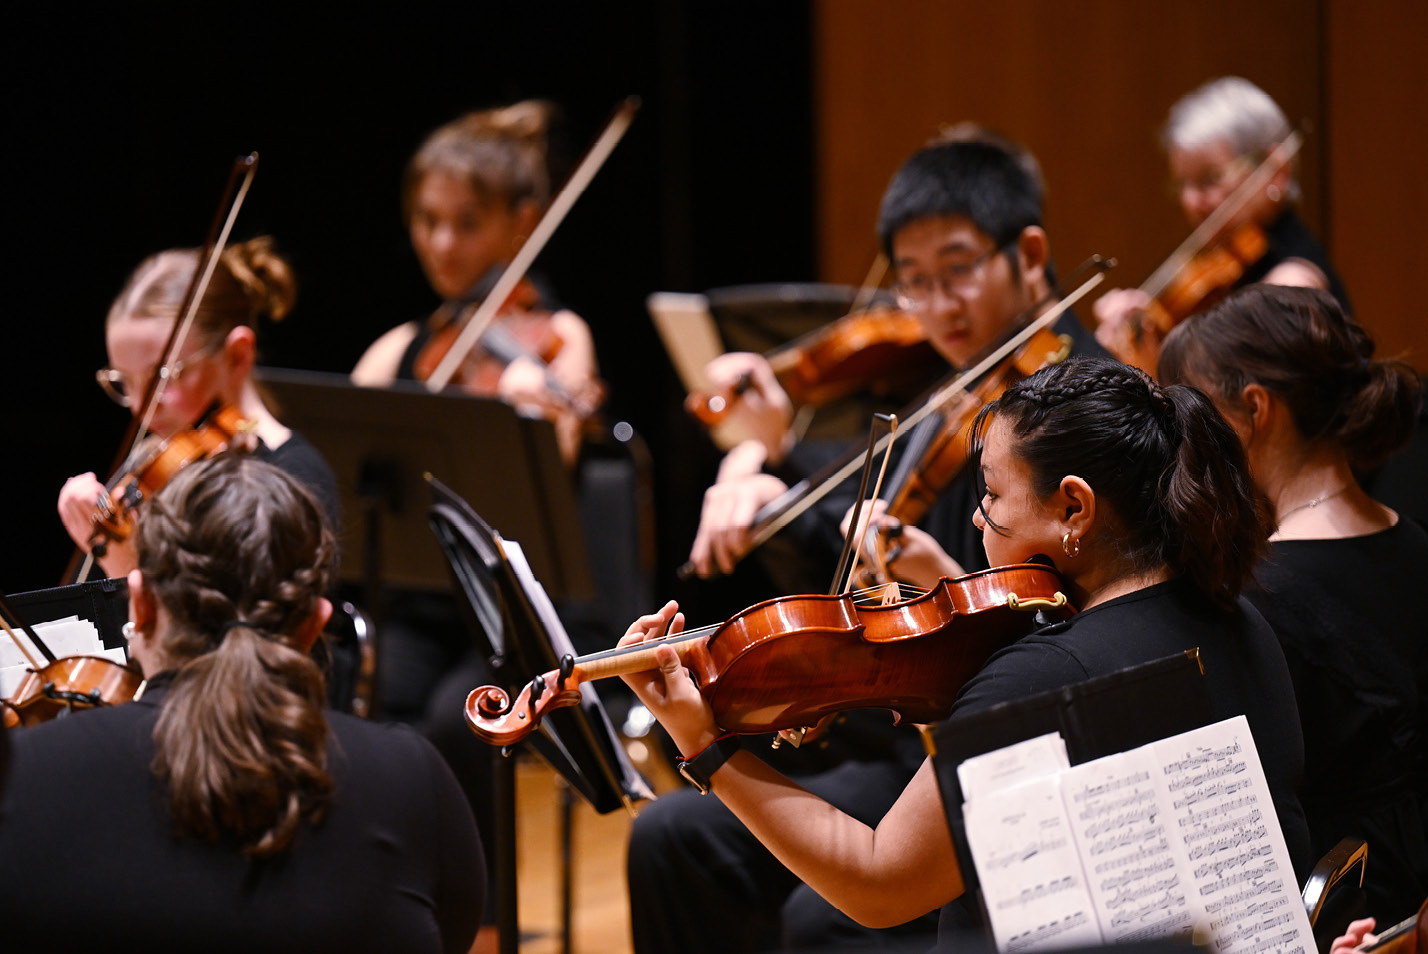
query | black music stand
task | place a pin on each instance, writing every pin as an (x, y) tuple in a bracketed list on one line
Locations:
[(381, 442), (1099, 717), (105, 603), (516, 626)]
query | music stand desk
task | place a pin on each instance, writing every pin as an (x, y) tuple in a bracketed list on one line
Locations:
[(381, 442)]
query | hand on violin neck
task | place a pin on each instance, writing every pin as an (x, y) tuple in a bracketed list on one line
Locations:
[(667, 690)]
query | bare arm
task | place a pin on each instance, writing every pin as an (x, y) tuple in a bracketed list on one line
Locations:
[(880, 877), (378, 365)]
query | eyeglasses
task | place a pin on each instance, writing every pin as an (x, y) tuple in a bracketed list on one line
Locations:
[(120, 392), (1230, 172), (956, 279)]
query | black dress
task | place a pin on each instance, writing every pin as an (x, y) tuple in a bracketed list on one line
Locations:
[(1357, 646), (88, 856)]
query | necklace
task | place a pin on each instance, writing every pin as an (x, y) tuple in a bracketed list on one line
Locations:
[(1312, 503)]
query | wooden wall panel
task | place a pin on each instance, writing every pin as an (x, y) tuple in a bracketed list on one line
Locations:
[(1086, 85), (1378, 192)]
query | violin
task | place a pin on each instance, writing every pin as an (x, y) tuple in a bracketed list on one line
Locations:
[(786, 508), (1206, 266), (876, 347), (1210, 275), (109, 518), (153, 463), (787, 663), (1409, 936), (917, 487), (68, 683), (521, 329), (62, 684)]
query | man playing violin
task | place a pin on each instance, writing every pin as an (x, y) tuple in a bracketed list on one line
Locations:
[(961, 225), (1216, 137), (961, 222)]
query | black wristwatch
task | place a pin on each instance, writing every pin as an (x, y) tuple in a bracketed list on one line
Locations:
[(698, 769)]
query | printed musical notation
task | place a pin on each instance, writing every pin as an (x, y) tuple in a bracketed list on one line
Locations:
[(1175, 836)]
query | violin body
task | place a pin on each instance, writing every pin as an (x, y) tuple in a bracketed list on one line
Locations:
[(788, 662), (71, 682), (946, 455), (153, 463), (520, 329), (1207, 277), (878, 348)]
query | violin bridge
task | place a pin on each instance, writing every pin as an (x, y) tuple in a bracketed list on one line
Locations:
[(793, 737), (892, 593)]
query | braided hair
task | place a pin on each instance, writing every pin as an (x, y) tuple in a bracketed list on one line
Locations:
[(238, 555), (1163, 461)]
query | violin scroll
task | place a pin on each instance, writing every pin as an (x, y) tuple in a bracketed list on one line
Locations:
[(500, 720)]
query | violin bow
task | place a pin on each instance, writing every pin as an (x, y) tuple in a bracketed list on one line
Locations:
[(1278, 157), (792, 503), (883, 424), (589, 165), (213, 245), (8, 612)]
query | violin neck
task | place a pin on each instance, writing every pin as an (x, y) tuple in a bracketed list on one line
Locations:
[(626, 660)]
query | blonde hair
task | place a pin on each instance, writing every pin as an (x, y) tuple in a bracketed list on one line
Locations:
[(251, 281), (502, 154)]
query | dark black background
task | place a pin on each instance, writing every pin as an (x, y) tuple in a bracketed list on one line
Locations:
[(123, 124)]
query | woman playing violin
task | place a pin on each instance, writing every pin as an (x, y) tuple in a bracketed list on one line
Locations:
[(225, 810), (1297, 380), (1215, 138), (961, 222), (212, 368), (471, 196), (1140, 497)]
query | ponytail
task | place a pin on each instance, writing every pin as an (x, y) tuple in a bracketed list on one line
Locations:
[(1167, 467), (242, 742), (238, 555)]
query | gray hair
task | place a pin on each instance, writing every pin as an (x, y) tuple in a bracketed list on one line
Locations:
[(1232, 110)]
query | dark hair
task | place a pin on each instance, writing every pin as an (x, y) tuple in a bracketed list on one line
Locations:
[(1163, 460), (972, 178), (1300, 346), (238, 554)]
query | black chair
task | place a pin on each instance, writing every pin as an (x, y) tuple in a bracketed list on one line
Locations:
[(1334, 893), (350, 647)]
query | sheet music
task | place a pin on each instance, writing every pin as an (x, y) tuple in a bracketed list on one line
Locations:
[(1030, 869), (982, 775), (1222, 814), (1174, 837), (1120, 825)]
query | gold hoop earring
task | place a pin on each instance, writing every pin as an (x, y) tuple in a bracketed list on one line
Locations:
[(1070, 545)]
